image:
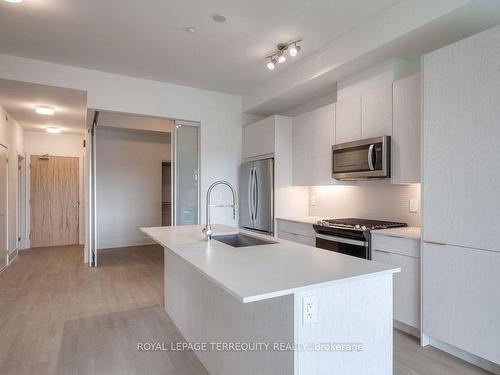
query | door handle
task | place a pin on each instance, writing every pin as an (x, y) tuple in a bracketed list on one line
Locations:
[(256, 192), (250, 195), (370, 157)]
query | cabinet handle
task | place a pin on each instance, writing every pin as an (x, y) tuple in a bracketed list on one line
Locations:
[(436, 243), (382, 251)]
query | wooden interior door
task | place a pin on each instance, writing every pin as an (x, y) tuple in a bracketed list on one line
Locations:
[(54, 201)]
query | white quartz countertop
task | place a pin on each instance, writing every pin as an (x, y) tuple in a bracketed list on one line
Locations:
[(256, 273), (302, 219), (403, 232)]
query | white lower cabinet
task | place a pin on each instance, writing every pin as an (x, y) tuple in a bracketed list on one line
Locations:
[(400, 252), (461, 301), (302, 233)]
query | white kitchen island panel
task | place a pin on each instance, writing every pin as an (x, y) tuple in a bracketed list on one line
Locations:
[(215, 293)]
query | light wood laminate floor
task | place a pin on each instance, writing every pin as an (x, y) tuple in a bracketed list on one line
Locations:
[(58, 316)]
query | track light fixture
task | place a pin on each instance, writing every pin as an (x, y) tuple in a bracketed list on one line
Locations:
[(279, 56), (272, 63)]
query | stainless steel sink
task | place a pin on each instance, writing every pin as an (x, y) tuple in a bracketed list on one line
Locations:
[(241, 240)]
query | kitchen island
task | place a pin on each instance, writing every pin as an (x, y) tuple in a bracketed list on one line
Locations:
[(296, 308)]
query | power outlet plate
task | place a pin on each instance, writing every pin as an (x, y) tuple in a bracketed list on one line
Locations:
[(414, 205), (310, 309)]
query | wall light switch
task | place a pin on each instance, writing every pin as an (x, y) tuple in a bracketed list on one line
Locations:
[(413, 205), (313, 200)]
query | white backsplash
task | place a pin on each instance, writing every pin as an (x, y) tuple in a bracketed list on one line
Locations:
[(378, 200)]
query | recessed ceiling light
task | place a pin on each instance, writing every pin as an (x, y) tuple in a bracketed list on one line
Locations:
[(45, 110), (53, 130), (14, 1), (220, 18), (190, 29)]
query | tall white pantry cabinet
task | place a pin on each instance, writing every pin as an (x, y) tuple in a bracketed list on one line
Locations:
[(461, 195)]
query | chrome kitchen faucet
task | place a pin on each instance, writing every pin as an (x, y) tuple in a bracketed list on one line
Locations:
[(207, 231)]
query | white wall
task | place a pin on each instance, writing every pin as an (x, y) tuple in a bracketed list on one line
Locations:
[(219, 114), (40, 143), (11, 135), (128, 185), (377, 200)]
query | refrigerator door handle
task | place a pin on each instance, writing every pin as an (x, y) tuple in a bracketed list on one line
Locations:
[(256, 194), (250, 195)]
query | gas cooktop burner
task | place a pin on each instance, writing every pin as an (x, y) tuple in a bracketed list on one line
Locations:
[(359, 224)]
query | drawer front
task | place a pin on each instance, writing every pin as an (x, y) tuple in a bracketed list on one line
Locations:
[(396, 245), (292, 227), (297, 238), (406, 286)]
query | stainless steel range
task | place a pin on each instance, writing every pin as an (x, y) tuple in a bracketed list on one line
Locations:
[(349, 236)]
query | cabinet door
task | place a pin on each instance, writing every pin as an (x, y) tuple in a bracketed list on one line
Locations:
[(302, 146), (406, 131), (258, 138), (348, 120), (406, 286), (461, 302), (376, 118), (323, 139), (461, 130)]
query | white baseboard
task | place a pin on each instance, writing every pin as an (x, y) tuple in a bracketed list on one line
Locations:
[(124, 242), (466, 356), (406, 328), (12, 255)]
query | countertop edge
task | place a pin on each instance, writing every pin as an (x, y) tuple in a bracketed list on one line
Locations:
[(302, 220), (287, 292), (392, 233)]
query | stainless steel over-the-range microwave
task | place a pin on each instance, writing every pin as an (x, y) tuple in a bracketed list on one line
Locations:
[(360, 160)]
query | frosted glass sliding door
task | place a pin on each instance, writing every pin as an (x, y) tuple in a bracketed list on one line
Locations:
[(186, 159)]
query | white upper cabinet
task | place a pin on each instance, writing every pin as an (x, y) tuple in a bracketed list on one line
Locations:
[(323, 139), (461, 133), (313, 137), (348, 119), (406, 131), (376, 107), (258, 138), (302, 144)]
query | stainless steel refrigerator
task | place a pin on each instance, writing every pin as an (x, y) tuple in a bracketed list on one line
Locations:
[(257, 195)]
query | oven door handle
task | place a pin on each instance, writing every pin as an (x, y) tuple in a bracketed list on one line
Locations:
[(341, 240)]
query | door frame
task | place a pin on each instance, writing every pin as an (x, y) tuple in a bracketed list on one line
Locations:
[(7, 216), (81, 194), (22, 203)]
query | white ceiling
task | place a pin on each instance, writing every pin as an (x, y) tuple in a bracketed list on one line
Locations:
[(20, 98), (147, 38)]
